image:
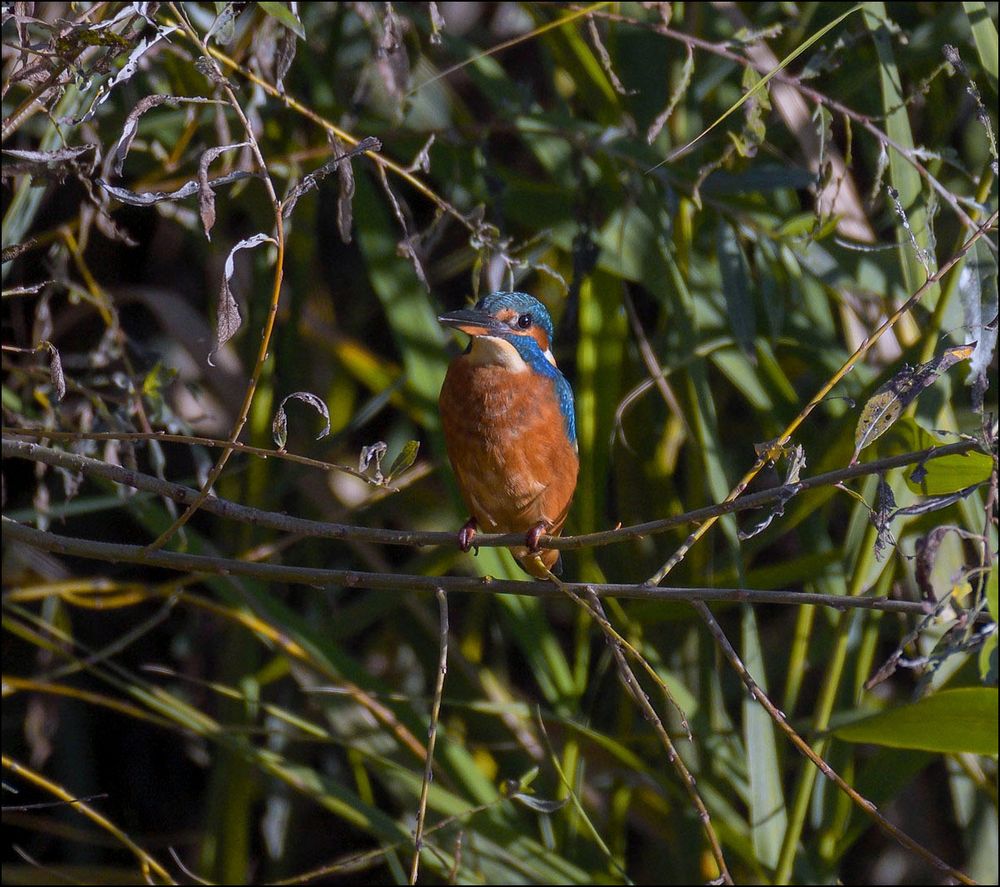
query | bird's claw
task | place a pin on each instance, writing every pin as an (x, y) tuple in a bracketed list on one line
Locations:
[(533, 536), (467, 534)]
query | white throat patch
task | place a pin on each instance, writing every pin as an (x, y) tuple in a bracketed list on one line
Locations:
[(494, 351)]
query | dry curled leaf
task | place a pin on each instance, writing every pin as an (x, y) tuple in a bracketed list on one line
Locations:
[(422, 161), (437, 23), (53, 164), (392, 59), (284, 56), (886, 405), (882, 518), (130, 67), (312, 180), (188, 189), (55, 369), (370, 461), (228, 320), (279, 427), (206, 196), (796, 456), (131, 125)]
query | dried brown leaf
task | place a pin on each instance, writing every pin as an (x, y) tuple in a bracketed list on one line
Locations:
[(279, 426), (312, 180), (228, 318), (206, 196), (886, 405), (188, 189)]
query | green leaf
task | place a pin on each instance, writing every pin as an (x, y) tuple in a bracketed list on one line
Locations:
[(906, 436), (988, 654), (768, 816), (905, 179), (284, 15), (984, 32), (735, 286), (949, 474), (936, 477), (407, 456), (988, 661), (960, 720)]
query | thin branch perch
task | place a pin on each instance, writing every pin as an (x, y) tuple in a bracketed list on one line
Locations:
[(17, 449), (190, 563)]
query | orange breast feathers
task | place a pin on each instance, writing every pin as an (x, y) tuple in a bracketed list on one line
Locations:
[(507, 442)]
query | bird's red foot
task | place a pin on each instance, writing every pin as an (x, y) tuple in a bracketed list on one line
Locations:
[(467, 534), (534, 534)]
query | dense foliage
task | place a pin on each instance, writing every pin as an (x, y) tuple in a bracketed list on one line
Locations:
[(767, 235)]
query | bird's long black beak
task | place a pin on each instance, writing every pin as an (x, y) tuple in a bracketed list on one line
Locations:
[(472, 321)]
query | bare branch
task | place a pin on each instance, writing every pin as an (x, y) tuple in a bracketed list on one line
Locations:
[(188, 563)]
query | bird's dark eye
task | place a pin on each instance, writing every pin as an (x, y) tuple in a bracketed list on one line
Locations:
[(524, 321)]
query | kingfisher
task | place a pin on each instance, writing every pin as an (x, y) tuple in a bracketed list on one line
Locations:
[(509, 426)]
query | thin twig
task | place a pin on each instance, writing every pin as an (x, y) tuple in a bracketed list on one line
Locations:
[(221, 566), (147, 863), (859, 800), (13, 448), (195, 440), (272, 311), (418, 833), (617, 644)]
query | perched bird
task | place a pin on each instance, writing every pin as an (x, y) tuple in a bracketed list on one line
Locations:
[(509, 425)]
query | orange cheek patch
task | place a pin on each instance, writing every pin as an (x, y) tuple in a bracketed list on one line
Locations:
[(538, 334)]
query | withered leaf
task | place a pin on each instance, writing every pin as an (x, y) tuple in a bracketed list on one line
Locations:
[(886, 405), (312, 180), (131, 125), (345, 197), (58, 163), (882, 517), (285, 55), (229, 320), (541, 805), (188, 189), (55, 370), (437, 23), (796, 456), (279, 427), (372, 455), (206, 196)]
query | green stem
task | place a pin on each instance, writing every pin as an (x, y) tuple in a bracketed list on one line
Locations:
[(824, 708)]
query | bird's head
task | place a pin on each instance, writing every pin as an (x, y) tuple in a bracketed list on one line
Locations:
[(513, 332), (516, 319)]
